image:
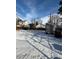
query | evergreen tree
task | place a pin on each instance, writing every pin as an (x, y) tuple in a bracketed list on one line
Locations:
[(60, 7)]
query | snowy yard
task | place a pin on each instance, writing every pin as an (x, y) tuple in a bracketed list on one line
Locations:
[(33, 44)]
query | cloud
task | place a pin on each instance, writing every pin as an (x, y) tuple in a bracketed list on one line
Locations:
[(20, 8), (45, 19), (32, 8), (29, 9), (20, 16)]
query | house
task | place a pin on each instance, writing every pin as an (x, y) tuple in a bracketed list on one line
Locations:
[(25, 25), (21, 24), (40, 27), (36, 24)]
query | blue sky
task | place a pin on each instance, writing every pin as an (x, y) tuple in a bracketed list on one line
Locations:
[(29, 9)]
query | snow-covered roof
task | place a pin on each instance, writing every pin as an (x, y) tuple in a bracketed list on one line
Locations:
[(40, 26)]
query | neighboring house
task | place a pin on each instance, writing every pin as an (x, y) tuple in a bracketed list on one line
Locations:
[(25, 24), (40, 26), (36, 24), (21, 24)]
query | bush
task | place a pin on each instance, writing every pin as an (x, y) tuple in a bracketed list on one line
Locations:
[(58, 32)]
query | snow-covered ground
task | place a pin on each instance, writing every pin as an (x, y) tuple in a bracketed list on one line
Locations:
[(32, 44)]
